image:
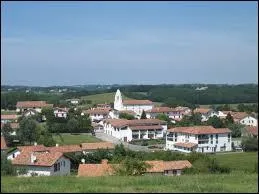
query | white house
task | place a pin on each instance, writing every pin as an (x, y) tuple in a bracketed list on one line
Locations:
[(97, 114), (22, 106), (184, 110), (9, 118), (74, 101), (128, 130), (222, 114), (206, 113), (43, 163), (198, 138), (249, 121), (135, 105), (115, 114), (61, 112)]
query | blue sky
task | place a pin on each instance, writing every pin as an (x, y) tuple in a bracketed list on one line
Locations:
[(69, 43)]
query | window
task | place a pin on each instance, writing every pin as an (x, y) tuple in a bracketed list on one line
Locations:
[(207, 147), (211, 136), (55, 167), (217, 142), (13, 155), (217, 136), (58, 168), (211, 142), (174, 172), (64, 163), (195, 136)]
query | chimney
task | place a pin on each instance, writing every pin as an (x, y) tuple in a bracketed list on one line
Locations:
[(104, 161), (33, 158), (35, 143), (57, 145)]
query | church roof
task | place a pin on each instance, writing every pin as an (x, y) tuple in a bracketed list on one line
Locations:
[(137, 102)]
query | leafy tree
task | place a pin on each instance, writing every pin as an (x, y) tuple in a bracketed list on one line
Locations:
[(6, 130), (119, 150), (126, 116), (249, 144), (143, 115), (6, 166), (236, 129), (27, 131), (131, 167), (215, 122), (48, 112), (73, 126), (84, 123), (229, 119)]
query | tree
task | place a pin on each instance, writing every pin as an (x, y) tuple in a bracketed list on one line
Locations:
[(6, 130), (48, 112), (249, 144), (73, 126), (27, 131), (126, 116), (143, 115), (84, 123), (131, 167), (215, 122), (6, 166), (229, 119), (236, 129)]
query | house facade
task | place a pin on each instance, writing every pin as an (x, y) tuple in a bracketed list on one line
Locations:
[(9, 118), (206, 113), (205, 139), (128, 130), (43, 163), (61, 112), (98, 114), (249, 121), (134, 105)]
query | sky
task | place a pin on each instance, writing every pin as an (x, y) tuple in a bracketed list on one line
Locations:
[(78, 43)]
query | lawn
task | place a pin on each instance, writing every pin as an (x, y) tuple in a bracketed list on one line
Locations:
[(75, 139), (244, 161), (234, 182)]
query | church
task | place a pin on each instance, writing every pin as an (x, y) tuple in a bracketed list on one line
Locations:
[(132, 105)]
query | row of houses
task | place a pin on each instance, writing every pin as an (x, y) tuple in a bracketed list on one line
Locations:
[(39, 160)]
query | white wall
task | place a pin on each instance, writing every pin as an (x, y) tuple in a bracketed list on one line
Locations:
[(60, 114), (249, 121), (13, 154), (138, 108)]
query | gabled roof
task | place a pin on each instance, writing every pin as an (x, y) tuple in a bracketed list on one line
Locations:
[(95, 169), (161, 166), (252, 130), (134, 122), (9, 117), (44, 158), (137, 102), (66, 148), (31, 104), (3, 143), (239, 115), (131, 112), (98, 111), (199, 130), (160, 110), (32, 148), (97, 145), (202, 110), (151, 127)]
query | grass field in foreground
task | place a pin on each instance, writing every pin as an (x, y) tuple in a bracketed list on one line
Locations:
[(239, 161), (75, 139), (235, 182)]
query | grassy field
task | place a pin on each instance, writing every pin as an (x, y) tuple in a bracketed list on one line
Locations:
[(244, 161), (235, 182), (75, 139)]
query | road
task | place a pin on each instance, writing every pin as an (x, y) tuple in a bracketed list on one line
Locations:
[(116, 141)]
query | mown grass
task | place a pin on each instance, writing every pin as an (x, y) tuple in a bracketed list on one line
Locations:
[(234, 182), (75, 139), (244, 161)]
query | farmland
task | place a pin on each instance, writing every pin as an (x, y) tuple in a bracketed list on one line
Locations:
[(234, 182)]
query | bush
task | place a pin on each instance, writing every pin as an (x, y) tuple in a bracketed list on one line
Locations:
[(249, 144), (144, 143), (6, 166)]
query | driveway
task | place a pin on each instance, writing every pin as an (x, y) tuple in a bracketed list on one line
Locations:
[(116, 141)]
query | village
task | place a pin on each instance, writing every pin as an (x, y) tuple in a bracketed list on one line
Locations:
[(125, 123)]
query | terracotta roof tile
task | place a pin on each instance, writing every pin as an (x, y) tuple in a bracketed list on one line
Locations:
[(98, 111), (160, 110), (98, 145), (102, 169), (9, 117), (239, 115), (137, 102), (32, 148), (141, 127), (31, 104), (43, 158), (199, 130), (202, 110), (65, 148), (252, 130), (134, 122), (127, 112), (161, 166), (3, 143)]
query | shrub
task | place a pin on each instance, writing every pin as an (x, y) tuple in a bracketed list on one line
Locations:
[(249, 144), (6, 166), (144, 143)]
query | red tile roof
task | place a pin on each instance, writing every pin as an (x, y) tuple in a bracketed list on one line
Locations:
[(239, 115), (186, 145), (199, 130), (102, 169), (252, 130), (9, 117), (117, 122), (3, 143), (134, 122), (161, 166), (44, 158), (161, 110), (141, 127), (32, 148), (127, 112), (202, 110), (31, 104), (65, 148), (137, 102), (97, 145), (98, 111)]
